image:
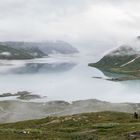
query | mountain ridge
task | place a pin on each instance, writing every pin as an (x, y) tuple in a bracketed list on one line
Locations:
[(11, 53), (34, 49), (46, 47), (123, 60)]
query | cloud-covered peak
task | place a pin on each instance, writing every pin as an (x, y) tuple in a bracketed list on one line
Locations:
[(77, 21)]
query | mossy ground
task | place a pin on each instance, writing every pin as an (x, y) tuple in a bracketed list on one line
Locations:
[(89, 126)]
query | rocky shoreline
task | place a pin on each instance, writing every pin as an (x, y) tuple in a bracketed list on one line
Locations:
[(119, 79), (22, 95)]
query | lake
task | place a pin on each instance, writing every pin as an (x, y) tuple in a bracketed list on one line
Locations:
[(61, 77)]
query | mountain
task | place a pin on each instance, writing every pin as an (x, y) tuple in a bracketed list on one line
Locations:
[(30, 50), (57, 47), (11, 53), (40, 49), (125, 60)]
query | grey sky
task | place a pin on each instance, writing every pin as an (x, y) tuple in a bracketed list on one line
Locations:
[(76, 21)]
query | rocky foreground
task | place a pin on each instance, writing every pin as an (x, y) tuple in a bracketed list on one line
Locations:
[(80, 120), (12, 111)]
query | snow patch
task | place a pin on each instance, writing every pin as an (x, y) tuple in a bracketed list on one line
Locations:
[(129, 61), (5, 53)]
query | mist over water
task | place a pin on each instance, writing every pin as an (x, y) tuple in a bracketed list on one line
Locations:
[(92, 26), (64, 78)]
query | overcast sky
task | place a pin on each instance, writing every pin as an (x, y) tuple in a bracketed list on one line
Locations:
[(80, 22)]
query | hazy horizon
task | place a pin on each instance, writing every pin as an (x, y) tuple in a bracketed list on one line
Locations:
[(87, 25)]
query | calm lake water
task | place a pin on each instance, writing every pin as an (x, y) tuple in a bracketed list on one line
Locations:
[(64, 78)]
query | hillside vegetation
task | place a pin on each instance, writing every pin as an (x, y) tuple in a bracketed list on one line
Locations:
[(29, 50), (42, 48), (89, 126), (11, 53), (124, 60)]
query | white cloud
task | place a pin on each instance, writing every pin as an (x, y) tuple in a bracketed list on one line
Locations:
[(77, 21)]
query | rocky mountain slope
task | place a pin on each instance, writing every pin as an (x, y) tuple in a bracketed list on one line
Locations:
[(125, 60), (30, 50), (11, 53), (43, 48)]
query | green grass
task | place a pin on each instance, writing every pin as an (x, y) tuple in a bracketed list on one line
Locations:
[(89, 126), (114, 64), (14, 53)]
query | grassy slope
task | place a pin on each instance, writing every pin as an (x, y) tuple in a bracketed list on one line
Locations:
[(35, 52), (114, 64), (91, 126), (15, 54), (123, 60)]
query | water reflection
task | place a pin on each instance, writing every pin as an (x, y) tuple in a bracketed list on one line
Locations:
[(33, 68), (112, 75), (70, 80)]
